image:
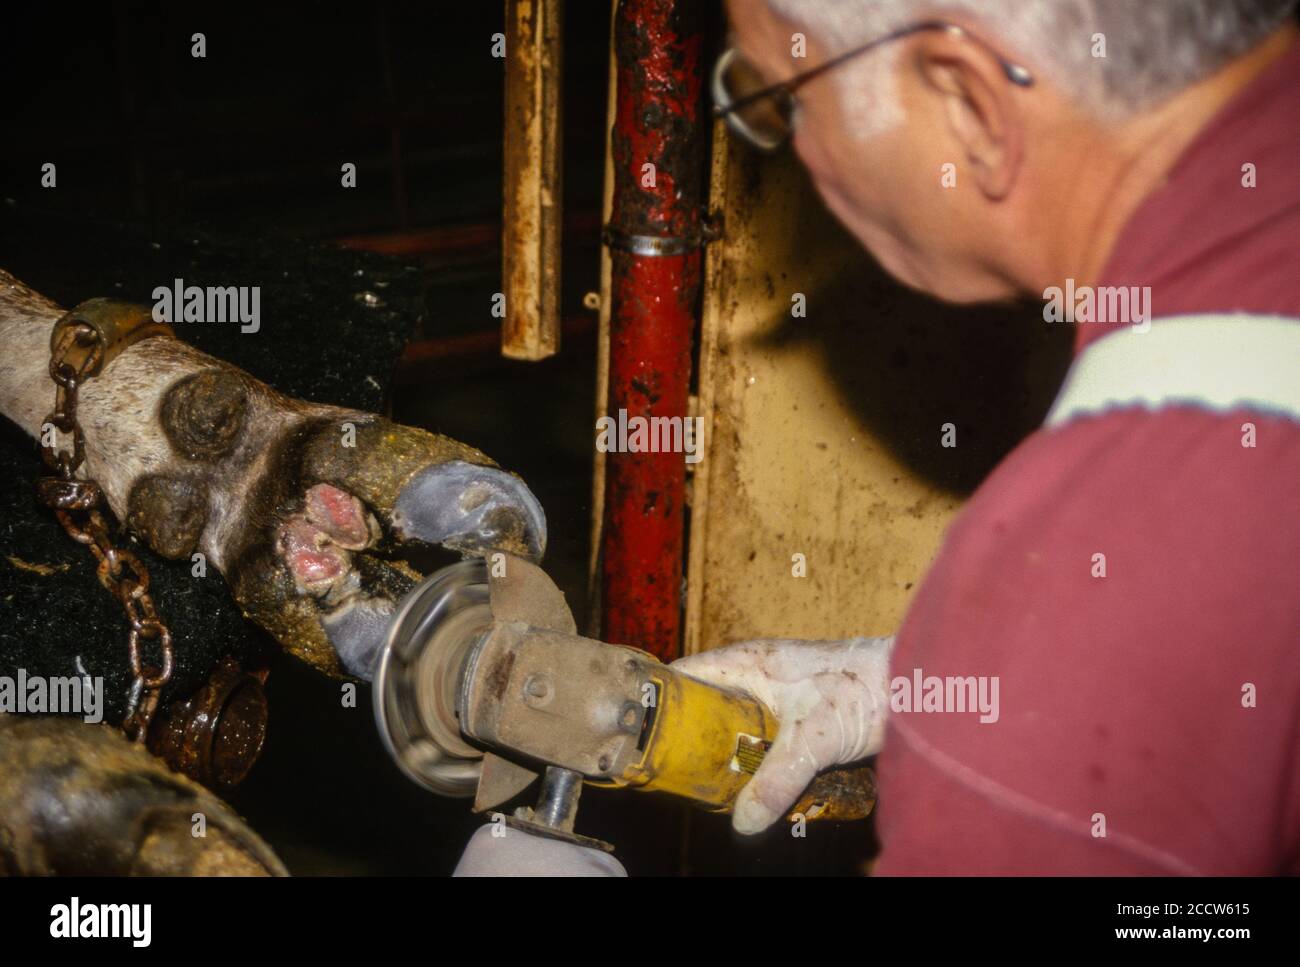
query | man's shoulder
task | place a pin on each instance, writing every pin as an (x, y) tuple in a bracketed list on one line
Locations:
[(1128, 581), (1166, 472), (1132, 541)]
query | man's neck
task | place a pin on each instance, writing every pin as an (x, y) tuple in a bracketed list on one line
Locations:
[(1129, 161)]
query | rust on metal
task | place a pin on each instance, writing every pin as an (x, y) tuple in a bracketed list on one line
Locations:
[(533, 179), (657, 147), (840, 795), (101, 329), (216, 735), (82, 342)]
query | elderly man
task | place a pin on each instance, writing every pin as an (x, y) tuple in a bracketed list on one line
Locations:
[(1129, 574)]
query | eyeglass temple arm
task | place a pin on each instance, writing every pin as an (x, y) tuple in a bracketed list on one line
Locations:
[(1016, 74)]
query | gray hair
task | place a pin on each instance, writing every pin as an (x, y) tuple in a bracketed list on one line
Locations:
[(1153, 48)]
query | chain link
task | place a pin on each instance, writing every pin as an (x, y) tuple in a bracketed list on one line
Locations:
[(76, 503)]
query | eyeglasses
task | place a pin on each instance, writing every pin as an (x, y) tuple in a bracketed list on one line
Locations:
[(765, 116)]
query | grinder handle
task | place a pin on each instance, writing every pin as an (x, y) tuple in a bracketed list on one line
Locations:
[(841, 794), (707, 741)]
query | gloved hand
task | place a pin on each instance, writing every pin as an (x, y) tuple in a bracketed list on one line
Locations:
[(831, 698), (499, 850)]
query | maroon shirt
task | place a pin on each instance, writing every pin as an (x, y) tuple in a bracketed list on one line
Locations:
[(1121, 697)]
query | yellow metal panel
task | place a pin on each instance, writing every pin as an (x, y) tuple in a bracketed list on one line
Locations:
[(823, 433), (602, 346), (533, 181)]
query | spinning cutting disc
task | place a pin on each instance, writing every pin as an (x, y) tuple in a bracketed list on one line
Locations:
[(417, 684)]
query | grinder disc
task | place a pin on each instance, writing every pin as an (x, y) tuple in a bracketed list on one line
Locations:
[(419, 673)]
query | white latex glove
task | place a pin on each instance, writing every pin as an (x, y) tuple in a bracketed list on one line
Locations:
[(831, 698), (514, 852)]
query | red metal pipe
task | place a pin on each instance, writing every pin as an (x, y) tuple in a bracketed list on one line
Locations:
[(660, 121)]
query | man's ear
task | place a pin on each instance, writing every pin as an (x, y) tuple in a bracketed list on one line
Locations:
[(979, 102)]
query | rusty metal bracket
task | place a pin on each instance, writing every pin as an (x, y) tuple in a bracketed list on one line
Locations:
[(118, 325), (655, 246), (662, 246), (216, 735)]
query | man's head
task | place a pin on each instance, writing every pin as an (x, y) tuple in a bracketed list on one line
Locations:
[(962, 183)]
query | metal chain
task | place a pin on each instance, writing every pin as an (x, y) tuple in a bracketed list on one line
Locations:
[(76, 504)]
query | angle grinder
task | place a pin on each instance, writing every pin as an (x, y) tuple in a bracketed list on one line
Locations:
[(483, 686)]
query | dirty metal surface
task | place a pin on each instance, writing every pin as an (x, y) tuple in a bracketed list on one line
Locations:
[(332, 326), (602, 342), (823, 433), (533, 179), (216, 735)]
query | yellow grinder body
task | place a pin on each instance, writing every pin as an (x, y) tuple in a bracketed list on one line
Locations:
[(611, 713), (484, 681)]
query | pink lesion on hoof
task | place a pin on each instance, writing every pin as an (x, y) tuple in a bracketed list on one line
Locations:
[(316, 545), (315, 563), (341, 517)]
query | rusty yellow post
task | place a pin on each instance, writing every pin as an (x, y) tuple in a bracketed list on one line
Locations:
[(533, 166)]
